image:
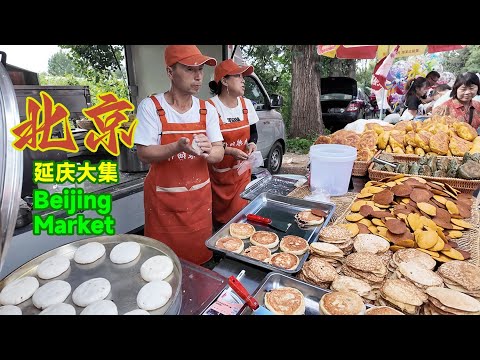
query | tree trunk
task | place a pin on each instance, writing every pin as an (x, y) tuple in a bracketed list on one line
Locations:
[(306, 108)]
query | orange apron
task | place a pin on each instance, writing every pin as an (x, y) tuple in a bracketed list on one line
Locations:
[(177, 194), (226, 183)]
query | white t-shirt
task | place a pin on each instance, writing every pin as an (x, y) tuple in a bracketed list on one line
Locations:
[(235, 114), (149, 128)]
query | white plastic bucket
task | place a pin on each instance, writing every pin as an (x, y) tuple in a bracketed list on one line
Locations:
[(331, 167)]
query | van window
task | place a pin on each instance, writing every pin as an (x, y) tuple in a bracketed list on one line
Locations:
[(253, 93)]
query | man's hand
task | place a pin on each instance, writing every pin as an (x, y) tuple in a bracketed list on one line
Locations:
[(184, 145)]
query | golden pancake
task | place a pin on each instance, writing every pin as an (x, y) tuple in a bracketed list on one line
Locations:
[(241, 230), (265, 238), (260, 253), (383, 310), (284, 260), (230, 243), (307, 218), (341, 303), (285, 301), (294, 245)]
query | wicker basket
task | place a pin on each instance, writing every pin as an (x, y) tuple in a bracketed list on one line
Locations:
[(466, 186), (360, 168), (413, 157)]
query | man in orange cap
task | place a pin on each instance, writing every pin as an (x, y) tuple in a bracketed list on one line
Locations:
[(238, 120), (178, 134)]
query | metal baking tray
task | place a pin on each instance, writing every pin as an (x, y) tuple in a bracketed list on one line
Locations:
[(280, 208), (125, 279), (275, 280), (272, 184)]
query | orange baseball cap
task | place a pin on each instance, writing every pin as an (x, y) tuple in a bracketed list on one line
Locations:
[(228, 67), (188, 55)]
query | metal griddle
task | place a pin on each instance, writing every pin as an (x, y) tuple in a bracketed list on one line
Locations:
[(271, 184)]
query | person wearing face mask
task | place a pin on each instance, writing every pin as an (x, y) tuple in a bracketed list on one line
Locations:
[(461, 104), (413, 98), (238, 120), (179, 135)]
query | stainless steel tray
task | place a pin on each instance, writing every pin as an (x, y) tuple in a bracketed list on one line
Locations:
[(272, 184), (280, 208), (274, 280), (125, 279)]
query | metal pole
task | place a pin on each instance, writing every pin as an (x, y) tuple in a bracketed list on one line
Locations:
[(383, 91)]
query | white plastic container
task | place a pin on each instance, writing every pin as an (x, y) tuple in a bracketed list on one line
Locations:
[(331, 168)]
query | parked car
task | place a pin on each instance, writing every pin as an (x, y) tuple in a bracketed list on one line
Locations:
[(342, 102), (270, 127)]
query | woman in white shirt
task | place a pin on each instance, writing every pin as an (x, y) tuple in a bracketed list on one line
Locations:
[(237, 124)]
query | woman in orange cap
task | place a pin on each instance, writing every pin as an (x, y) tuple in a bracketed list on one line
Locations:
[(178, 135), (237, 123)]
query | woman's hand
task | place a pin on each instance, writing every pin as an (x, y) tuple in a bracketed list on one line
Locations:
[(251, 147), (236, 153)]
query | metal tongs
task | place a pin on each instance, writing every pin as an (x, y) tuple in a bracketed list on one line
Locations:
[(383, 162)]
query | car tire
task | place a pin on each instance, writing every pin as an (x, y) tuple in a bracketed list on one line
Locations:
[(274, 159)]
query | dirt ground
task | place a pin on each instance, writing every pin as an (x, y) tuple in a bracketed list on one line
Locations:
[(294, 164)]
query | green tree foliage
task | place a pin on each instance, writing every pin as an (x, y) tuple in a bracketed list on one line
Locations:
[(60, 65), (273, 65), (467, 59), (96, 62)]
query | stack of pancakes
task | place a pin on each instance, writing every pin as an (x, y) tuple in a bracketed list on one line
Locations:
[(241, 230), (266, 239), (359, 287), (319, 272), (370, 243), (461, 276), (367, 267), (401, 295), (339, 236), (411, 254), (444, 301), (285, 301), (417, 274), (306, 219), (328, 252), (294, 245), (341, 303)]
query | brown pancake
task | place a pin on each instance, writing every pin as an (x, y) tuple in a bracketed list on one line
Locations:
[(285, 301), (294, 245), (383, 310), (241, 230), (260, 253), (284, 260), (230, 243), (306, 217), (265, 238)]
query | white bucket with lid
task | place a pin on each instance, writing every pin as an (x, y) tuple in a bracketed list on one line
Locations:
[(331, 167)]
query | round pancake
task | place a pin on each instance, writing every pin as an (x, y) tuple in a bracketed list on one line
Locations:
[(260, 253), (230, 243), (125, 252), (157, 267), (382, 310), (307, 218), (334, 233), (284, 260), (53, 267), (18, 290), (90, 291), (420, 276), (319, 270), (370, 243), (10, 310), (154, 295), (348, 283), (462, 273), (403, 291), (285, 301), (51, 293), (415, 255), (89, 253), (326, 249), (137, 312), (101, 307), (241, 230), (454, 299), (59, 309), (265, 238), (341, 303), (294, 245)]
